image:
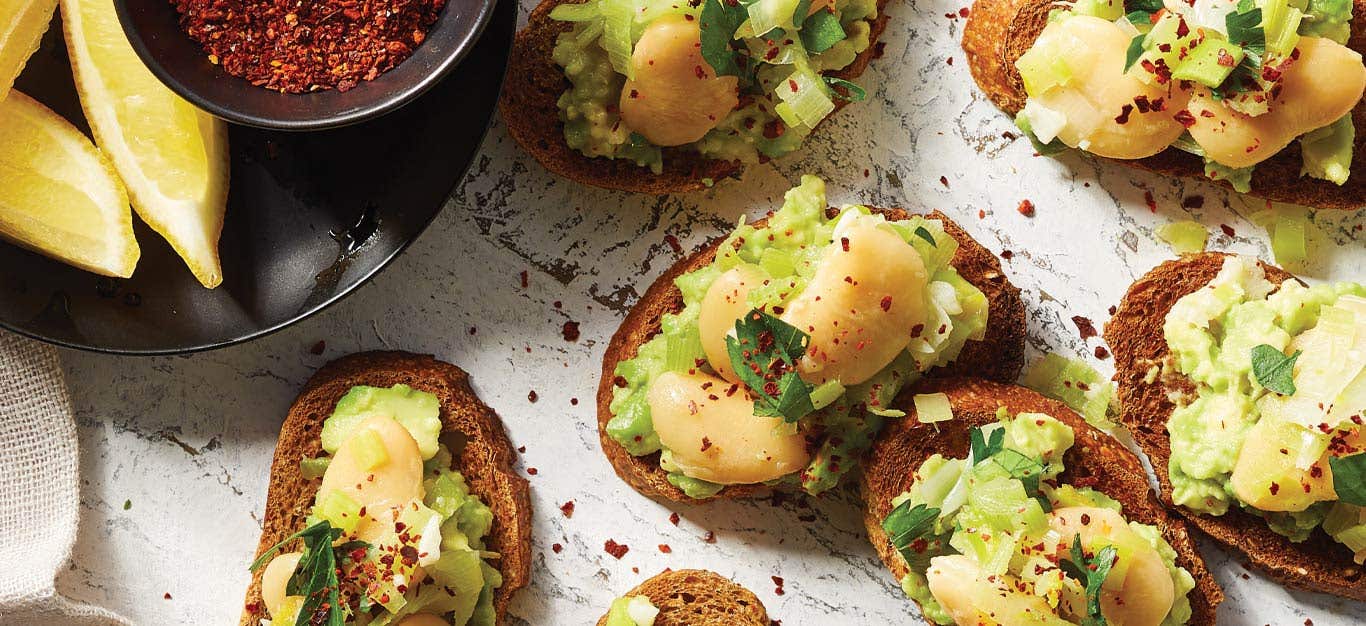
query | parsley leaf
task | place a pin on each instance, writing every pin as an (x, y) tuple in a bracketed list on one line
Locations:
[(1091, 573), (1349, 478), (924, 233), (1274, 370), (315, 577), (763, 353), (854, 92), (1146, 6), (1135, 51), (821, 31), (719, 21), (985, 447), (910, 528), (1026, 470), (1245, 29)]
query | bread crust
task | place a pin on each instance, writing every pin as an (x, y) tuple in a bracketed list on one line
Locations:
[(694, 597), (999, 31), (486, 460), (1135, 337), (1095, 458), (1000, 356), (534, 84)]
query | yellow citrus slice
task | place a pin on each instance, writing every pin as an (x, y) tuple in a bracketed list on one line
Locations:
[(22, 24), (58, 195), (172, 157)]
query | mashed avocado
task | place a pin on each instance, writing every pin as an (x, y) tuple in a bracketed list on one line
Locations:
[(997, 511), (787, 250), (760, 127), (632, 611), (462, 581), (1190, 43), (1215, 336)]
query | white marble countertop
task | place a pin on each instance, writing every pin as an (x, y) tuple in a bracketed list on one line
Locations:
[(175, 450)]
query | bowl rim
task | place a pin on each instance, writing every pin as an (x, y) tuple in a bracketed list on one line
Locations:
[(381, 106)]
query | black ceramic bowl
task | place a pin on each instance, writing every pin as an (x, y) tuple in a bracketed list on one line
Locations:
[(311, 216), (154, 29)]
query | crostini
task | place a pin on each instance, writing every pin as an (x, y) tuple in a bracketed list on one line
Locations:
[(392, 501), (1246, 390), (769, 357), (1264, 96), (993, 504), (687, 597), (663, 97)]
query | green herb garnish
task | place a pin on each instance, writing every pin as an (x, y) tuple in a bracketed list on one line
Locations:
[(1091, 573), (1140, 12), (1135, 51), (906, 525), (719, 21), (985, 447), (1245, 29), (821, 31), (764, 353), (315, 577), (1349, 478), (924, 233), (1274, 370), (1026, 470)]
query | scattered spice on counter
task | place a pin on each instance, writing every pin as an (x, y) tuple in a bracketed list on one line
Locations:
[(567, 508), (1113, 309), (531, 396), (1007, 255), (298, 46), (167, 596), (673, 243), (1150, 201), (318, 348), (1026, 208), (570, 331), (617, 550), (532, 471), (673, 519), (473, 330), (1085, 327), (521, 449), (1228, 230), (526, 280), (1102, 353), (944, 180), (778, 585), (665, 549), (574, 401), (556, 548), (710, 537)]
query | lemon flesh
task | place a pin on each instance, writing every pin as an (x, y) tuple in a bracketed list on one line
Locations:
[(172, 157), (22, 24), (58, 195)]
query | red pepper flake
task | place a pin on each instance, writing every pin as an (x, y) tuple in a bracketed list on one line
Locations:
[(1150, 201), (706, 444), (166, 596), (949, 60), (886, 303), (617, 550), (1185, 118), (531, 396), (1193, 202), (570, 331), (567, 508), (532, 471), (673, 243), (525, 279), (318, 348), (673, 519), (1228, 230), (1226, 59), (1102, 353), (844, 244), (773, 129), (1275, 488), (619, 381), (1124, 111), (556, 548), (963, 12), (710, 537), (1007, 255), (1182, 29), (1026, 208), (473, 330), (701, 73), (1084, 326), (665, 549), (778, 585), (943, 180), (792, 84), (574, 401)]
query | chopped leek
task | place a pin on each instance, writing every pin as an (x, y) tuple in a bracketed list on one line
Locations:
[(932, 407), (1184, 237)]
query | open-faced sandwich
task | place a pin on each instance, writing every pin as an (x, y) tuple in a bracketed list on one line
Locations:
[(769, 357), (1246, 390), (665, 96), (392, 502), (995, 505), (688, 597), (1264, 96)]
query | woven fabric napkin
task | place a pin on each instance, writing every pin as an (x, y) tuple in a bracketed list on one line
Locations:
[(39, 489)]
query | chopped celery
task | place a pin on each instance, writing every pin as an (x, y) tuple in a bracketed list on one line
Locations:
[(1289, 243), (617, 38), (1327, 152), (824, 394), (1043, 67), (806, 96), (368, 448), (1209, 63), (1281, 22), (576, 12), (932, 407), (339, 509), (1328, 18), (1105, 9), (766, 15), (1184, 237)]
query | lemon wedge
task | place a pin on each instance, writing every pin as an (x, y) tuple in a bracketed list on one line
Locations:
[(22, 24), (172, 157), (58, 195)]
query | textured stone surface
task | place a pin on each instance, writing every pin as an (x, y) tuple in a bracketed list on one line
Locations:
[(175, 450)]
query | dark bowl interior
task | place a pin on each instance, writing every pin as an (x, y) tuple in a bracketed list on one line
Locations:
[(311, 216), (154, 29)]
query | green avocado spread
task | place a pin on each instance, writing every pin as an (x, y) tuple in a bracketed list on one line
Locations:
[(1274, 423), (787, 251), (632, 611), (997, 533), (778, 51), (374, 554), (1214, 67)]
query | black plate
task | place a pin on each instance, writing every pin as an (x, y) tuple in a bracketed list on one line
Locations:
[(310, 217)]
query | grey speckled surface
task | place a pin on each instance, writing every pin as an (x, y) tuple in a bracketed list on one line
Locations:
[(175, 450)]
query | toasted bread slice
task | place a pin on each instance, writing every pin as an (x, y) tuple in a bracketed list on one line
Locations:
[(999, 356), (1094, 459), (1137, 341), (998, 32), (485, 461), (534, 84), (697, 597)]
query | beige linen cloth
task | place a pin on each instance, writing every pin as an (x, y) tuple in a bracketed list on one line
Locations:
[(39, 489)]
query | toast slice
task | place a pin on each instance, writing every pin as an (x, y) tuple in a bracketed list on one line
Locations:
[(999, 356), (1137, 341), (1095, 458), (534, 84), (999, 31), (696, 597), (485, 461)]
